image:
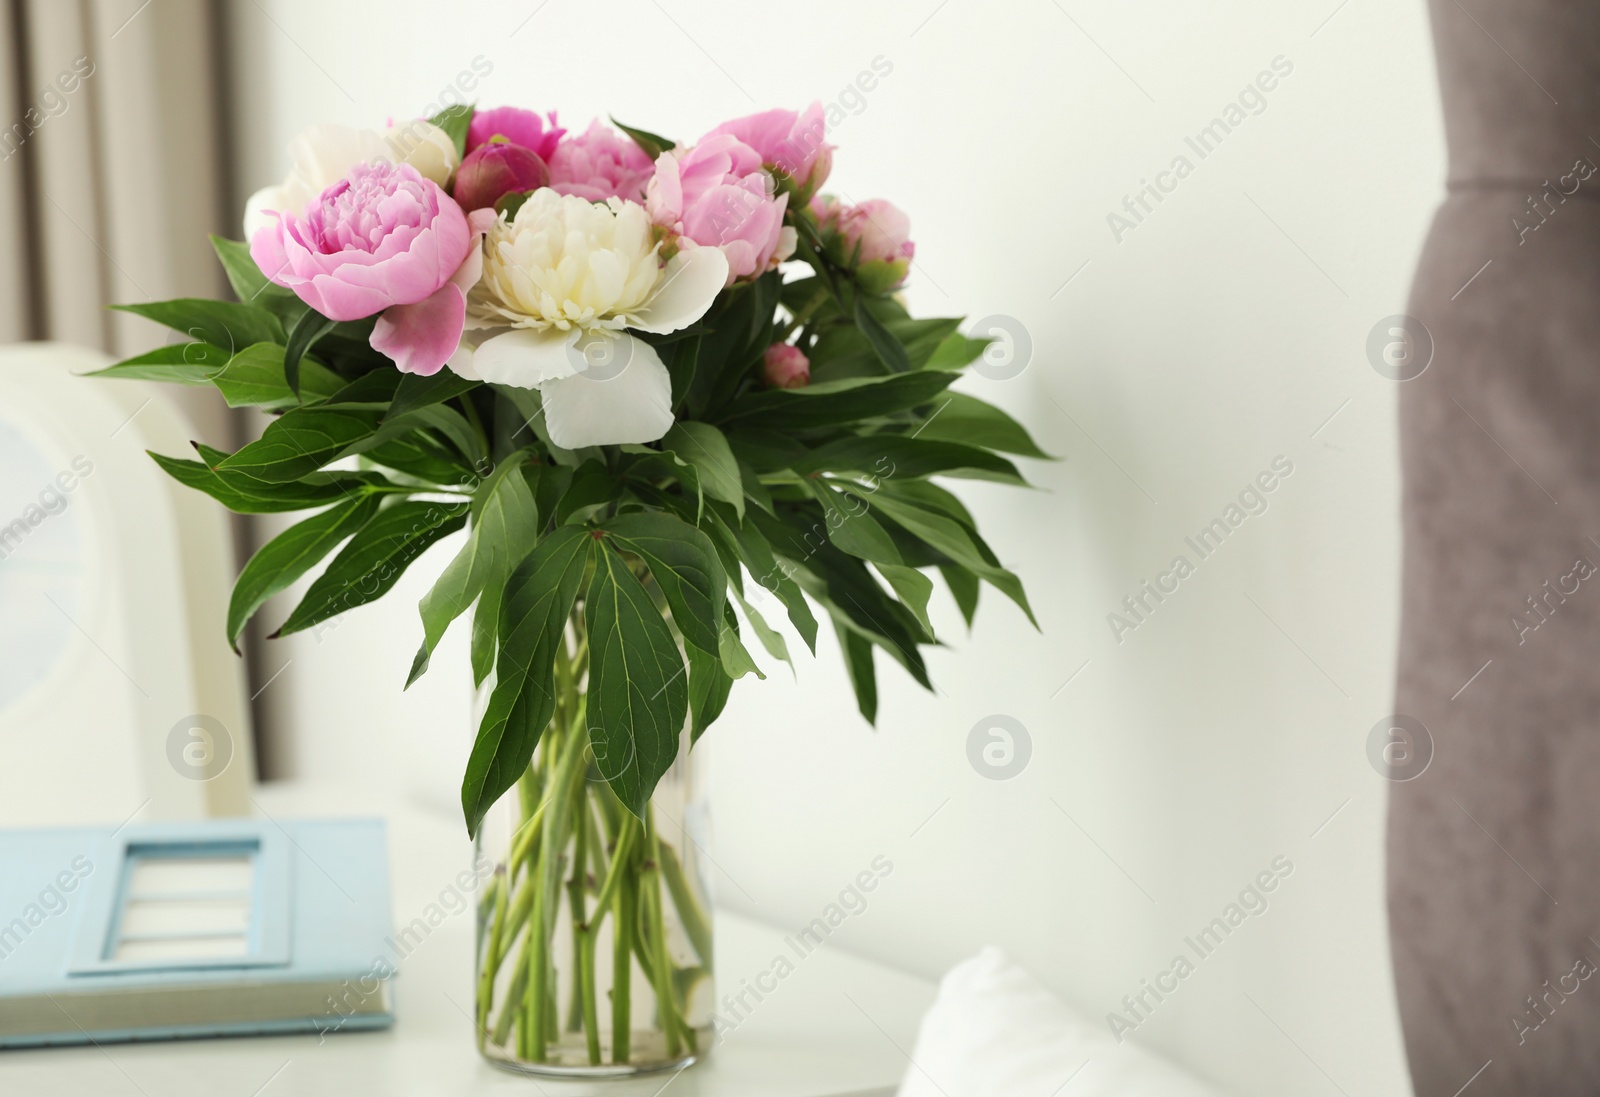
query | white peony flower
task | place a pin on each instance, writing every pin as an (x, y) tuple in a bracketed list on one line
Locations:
[(567, 277), (323, 155)]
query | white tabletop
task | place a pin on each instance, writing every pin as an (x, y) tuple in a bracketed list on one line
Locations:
[(837, 1025)]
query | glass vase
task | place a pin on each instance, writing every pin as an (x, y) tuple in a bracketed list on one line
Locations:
[(594, 950)]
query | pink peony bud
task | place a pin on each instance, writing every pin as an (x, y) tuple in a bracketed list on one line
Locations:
[(520, 127), (785, 366), (874, 237), (495, 169)]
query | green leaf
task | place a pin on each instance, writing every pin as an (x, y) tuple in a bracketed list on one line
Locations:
[(734, 335), (766, 450), (890, 351), (374, 560), (243, 274), (652, 465), (681, 359), (844, 350), (957, 417), (843, 586), (706, 448), (756, 553), (963, 588), (182, 363), (754, 489), (291, 554), (485, 630), (684, 564), (416, 391), (957, 541), (652, 144), (709, 686), (592, 487), (771, 639), (853, 528), (374, 387), (913, 589), (246, 495), (897, 456), (833, 402), (955, 351), (249, 283), (311, 326), (255, 378), (446, 421), (505, 526), (455, 121), (549, 484), (925, 493), (637, 699), (736, 659), (863, 676), (419, 456), (226, 324), (533, 619), (302, 441), (510, 202)]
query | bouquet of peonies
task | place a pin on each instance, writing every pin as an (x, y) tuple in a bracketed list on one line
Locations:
[(653, 381)]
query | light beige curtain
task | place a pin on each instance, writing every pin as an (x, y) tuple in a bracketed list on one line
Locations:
[(111, 171), (113, 168)]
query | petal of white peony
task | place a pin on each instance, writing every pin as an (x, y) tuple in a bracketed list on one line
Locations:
[(259, 204), (690, 283), (425, 147), (324, 154), (633, 405), (526, 359), (461, 362)]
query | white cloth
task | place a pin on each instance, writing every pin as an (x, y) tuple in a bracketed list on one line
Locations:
[(995, 1032)]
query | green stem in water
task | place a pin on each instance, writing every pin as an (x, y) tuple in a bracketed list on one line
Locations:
[(695, 923), (576, 882), (566, 774), (510, 1010), (651, 885), (591, 1002), (538, 966), (491, 956), (623, 917)]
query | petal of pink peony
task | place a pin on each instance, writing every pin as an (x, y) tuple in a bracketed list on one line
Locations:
[(520, 127), (471, 268), (664, 192), (340, 300), (422, 337), (266, 248), (763, 132)]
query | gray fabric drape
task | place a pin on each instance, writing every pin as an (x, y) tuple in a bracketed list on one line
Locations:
[(1494, 900)]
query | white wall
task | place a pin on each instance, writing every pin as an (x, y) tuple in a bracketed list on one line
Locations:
[(1218, 334)]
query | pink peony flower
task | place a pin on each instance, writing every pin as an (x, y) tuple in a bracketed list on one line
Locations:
[(785, 366), (716, 194), (789, 143), (600, 163), (874, 238), (495, 169), (381, 240), (520, 127)]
